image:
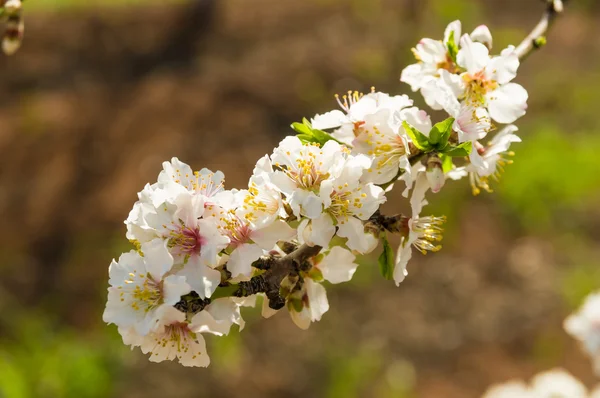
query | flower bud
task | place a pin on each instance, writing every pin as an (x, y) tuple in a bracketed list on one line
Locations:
[(482, 35), (435, 173)]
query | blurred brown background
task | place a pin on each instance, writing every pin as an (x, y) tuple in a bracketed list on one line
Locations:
[(103, 91)]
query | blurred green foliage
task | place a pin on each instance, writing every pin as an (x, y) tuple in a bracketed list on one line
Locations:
[(38, 359)]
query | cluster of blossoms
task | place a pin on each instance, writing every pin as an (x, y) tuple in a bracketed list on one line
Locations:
[(202, 251), (12, 13), (556, 383)]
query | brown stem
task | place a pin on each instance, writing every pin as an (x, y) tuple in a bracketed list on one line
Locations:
[(535, 39)]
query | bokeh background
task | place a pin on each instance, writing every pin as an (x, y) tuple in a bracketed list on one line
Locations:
[(104, 90)]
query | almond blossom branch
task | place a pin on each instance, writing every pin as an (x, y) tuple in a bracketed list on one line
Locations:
[(537, 37)]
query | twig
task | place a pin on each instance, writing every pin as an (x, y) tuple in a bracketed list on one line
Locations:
[(537, 37)]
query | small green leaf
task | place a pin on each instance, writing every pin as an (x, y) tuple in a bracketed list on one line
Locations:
[(419, 139), (440, 133), (461, 150), (386, 260), (307, 134), (447, 164), (452, 47)]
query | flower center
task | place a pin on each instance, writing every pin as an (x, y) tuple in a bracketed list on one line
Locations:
[(340, 203), (186, 240), (147, 295), (477, 87), (238, 231), (307, 175)]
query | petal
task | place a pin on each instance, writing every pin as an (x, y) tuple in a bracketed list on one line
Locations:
[(358, 239), (240, 261), (329, 120), (483, 35), (338, 265), (402, 257), (202, 279), (472, 56), (317, 299), (413, 75), (456, 27), (174, 287), (507, 103), (417, 118), (503, 68), (157, 258), (268, 236)]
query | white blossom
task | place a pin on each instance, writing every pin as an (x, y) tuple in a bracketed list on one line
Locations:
[(356, 108), (300, 170), (347, 202), (584, 325), (140, 286)]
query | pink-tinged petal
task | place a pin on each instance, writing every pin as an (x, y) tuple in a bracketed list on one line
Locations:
[(338, 265), (157, 258), (268, 236), (507, 103)]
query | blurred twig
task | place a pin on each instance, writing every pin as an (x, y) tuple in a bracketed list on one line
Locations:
[(537, 37)]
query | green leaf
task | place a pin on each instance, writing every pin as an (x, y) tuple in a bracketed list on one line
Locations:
[(386, 260), (307, 134), (452, 47), (461, 150), (419, 139), (447, 164), (440, 133)]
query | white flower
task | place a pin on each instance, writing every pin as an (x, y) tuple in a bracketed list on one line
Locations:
[(140, 286), (423, 233), (210, 185), (301, 168), (248, 244), (347, 202), (511, 389), (356, 109), (489, 161), (435, 63), (557, 383), (486, 81), (261, 203), (385, 143), (584, 325)]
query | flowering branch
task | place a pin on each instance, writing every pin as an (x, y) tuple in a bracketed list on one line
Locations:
[(312, 205), (537, 37)]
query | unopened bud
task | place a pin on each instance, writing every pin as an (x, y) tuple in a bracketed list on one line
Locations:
[(435, 173)]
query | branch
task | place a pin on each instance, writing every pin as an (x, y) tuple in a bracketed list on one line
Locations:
[(537, 37)]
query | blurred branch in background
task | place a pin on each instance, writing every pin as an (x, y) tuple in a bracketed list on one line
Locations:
[(537, 37)]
